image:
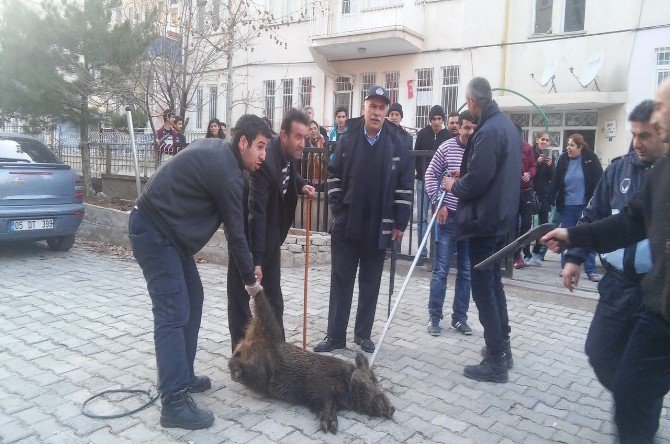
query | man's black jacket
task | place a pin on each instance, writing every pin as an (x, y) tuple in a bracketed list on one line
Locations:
[(488, 190), (427, 140), (646, 215), (592, 173), (188, 197), (271, 213)]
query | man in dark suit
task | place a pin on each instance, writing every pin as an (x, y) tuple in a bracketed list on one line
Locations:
[(273, 197)]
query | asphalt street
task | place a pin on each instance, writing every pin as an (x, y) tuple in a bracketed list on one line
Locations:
[(76, 323)]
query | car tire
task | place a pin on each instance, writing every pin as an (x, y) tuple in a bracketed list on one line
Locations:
[(63, 243)]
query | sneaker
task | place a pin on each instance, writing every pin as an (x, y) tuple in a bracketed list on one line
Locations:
[(180, 410), (462, 327), (491, 369), (593, 277), (536, 260), (434, 326), (198, 384), (508, 354), (519, 263), (329, 344), (526, 261), (366, 344)]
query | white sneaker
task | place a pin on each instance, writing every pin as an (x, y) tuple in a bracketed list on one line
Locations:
[(536, 260)]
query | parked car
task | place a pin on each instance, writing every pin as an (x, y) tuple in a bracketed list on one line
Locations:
[(40, 196)]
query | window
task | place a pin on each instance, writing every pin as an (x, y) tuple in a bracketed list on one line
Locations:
[(543, 16), (200, 17), (287, 99), (305, 95), (346, 6), (198, 108), (269, 90), (581, 119), (555, 119), (213, 94), (424, 95), (558, 16), (343, 90), (662, 64), (450, 80), (574, 15), (368, 81), (392, 81)]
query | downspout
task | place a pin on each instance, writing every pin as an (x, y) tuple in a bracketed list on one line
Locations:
[(503, 75)]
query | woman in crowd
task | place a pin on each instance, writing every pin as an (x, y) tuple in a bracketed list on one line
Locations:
[(214, 129), (577, 173), (541, 183)]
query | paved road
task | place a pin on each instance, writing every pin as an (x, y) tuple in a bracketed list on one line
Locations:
[(76, 323)]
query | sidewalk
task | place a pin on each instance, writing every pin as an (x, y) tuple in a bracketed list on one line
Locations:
[(80, 322)]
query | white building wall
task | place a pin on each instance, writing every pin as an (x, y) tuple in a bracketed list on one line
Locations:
[(470, 33)]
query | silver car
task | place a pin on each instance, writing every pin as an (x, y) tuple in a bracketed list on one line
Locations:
[(40, 196)]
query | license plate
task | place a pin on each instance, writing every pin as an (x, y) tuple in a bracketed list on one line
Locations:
[(27, 225)]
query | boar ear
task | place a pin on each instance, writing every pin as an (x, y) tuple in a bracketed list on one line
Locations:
[(362, 362)]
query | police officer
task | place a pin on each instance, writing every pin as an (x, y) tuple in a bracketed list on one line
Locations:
[(620, 294)]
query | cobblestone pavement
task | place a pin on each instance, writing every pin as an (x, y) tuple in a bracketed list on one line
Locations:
[(76, 323)]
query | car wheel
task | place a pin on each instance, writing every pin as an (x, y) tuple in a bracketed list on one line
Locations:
[(62, 243)]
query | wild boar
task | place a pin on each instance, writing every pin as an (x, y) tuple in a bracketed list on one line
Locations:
[(268, 365)]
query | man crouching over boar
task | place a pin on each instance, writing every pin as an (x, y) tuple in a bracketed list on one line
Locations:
[(266, 364)]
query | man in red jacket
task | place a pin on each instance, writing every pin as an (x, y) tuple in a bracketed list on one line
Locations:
[(528, 170)]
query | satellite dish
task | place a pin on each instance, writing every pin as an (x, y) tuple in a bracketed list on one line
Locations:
[(591, 68), (548, 72)]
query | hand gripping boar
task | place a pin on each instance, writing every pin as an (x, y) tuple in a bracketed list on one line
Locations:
[(266, 364)]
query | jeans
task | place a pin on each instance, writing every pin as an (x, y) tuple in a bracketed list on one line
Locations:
[(569, 217), (422, 205), (445, 246), (176, 296), (488, 293), (526, 219), (613, 322), (643, 379)]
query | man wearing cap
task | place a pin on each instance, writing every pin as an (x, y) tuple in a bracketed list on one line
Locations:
[(395, 115), (429, 138), (370, 193)]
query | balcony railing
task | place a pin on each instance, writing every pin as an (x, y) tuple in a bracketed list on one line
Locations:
[(346, 17)]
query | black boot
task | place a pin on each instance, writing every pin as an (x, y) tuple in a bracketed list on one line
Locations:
[(491, 369), (508, 354), (199, 384), (179, 410)]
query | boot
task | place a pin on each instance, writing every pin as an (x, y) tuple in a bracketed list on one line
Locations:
[(179, 410), (508, 354), (491, 369)]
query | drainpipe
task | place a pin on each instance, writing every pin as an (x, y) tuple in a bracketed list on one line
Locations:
[(503, 75)]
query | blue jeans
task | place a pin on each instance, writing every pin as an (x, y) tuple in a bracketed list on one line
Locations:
[(445, 246), (422, 205), (642, 379), (569, 217), (176, 297), (488, 293)]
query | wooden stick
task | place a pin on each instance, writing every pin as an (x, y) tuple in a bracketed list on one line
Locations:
[(304, 302)]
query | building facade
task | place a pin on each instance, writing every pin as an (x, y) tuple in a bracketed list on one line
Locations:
[(585, 63)]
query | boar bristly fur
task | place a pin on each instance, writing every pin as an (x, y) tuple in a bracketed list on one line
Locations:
[(268, 365)]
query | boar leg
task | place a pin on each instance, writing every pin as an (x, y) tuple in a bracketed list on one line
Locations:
[(328, 415)]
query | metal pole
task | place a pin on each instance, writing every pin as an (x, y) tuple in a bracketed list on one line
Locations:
[(304, 290), (131, 132), (394, 259), (409, 274)]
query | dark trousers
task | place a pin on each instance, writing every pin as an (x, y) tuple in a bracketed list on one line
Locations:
[(643, 379), (176, 296), (346, 256), (525, 219), (613, 322), (239, 313), (488, 293), (542, 218)]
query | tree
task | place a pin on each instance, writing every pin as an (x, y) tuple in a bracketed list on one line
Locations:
[(63, 63), (196, 38)]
